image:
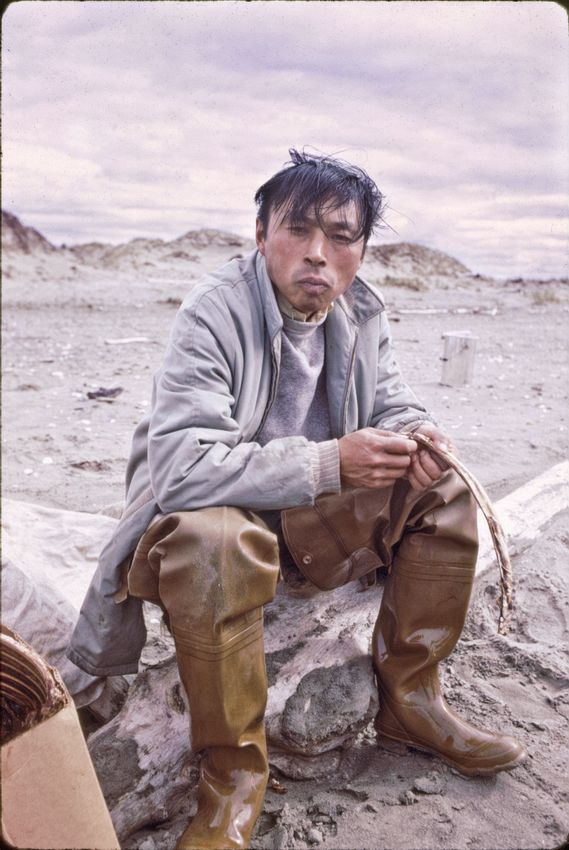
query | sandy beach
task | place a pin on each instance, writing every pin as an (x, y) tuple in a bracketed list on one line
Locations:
[(84, 329)]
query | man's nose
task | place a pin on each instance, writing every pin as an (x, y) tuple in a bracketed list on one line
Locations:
[(316, 249)]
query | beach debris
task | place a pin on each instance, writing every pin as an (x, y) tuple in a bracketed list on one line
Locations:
[(25, 387), (172, 300), (440, 311), (127, 340), (276, 786), (458, 358), (105, 393), (407, 798), (92, 465), (496, 530)]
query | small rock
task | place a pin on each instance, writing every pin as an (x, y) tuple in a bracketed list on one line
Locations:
[(432, 783), (314, 836), (105, 393), (407, 798), (371, 807), (357, 793), (322, 819), (324, 808), (330, 706), (294, 766), (279, 837)]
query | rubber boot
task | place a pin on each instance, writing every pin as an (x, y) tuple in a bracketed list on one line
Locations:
[(212, 570), (226, 687), (421, 618)]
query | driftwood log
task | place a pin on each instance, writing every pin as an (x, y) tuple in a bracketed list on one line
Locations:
[(321, 689)]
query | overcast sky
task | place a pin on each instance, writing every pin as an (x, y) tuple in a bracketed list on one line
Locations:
[(124, 119)]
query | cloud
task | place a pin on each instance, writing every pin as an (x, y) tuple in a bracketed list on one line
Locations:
[(125, 118)]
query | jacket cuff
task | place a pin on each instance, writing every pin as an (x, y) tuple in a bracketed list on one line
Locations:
[(409, 423), (326, 467)]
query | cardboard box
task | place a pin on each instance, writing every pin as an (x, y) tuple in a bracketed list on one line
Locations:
[(51, 797)]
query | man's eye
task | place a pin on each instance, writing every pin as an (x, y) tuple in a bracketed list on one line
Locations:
[(297, 229), (341, 240)]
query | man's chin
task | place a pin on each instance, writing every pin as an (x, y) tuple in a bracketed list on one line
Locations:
[(310, 307), (312, 302)]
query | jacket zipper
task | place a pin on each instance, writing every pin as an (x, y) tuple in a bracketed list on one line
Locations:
[(273, 393), (348, 382)]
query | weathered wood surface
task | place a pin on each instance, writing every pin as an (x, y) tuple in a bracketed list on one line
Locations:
[(458, 358), (321, 691)]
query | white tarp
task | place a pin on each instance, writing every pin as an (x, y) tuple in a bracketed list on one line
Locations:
[(48, 558)]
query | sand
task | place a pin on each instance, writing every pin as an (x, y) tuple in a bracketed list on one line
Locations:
[(70, 328)]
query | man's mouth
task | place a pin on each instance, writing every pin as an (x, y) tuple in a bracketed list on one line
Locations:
[(314, 282)]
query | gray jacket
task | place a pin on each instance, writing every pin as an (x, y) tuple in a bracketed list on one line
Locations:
[(197, 448)]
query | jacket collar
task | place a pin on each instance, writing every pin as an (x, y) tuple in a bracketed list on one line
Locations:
[(254, 270), (361, 301)]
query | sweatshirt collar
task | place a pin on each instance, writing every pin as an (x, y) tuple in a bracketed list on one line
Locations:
[(287, 309)]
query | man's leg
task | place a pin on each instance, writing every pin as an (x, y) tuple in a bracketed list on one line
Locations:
[(422, 614), (212, 571)]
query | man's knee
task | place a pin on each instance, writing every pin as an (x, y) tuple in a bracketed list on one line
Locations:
[(443, 523), (213, 566)]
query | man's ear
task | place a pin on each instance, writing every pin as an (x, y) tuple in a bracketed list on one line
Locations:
[(260, 235)]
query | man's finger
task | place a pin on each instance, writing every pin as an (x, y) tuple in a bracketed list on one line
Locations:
[(422, 476), (415, 483), (397, 445), (429, 464), (391, 461)]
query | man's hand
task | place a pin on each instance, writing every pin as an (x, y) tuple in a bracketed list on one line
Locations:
[(374, 458), (424, 468)]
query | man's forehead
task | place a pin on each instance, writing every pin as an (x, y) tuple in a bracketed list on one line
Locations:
[(344, 216)]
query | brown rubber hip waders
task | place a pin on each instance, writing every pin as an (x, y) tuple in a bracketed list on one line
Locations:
[(212, 570)]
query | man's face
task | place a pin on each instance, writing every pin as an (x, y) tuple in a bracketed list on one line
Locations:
[(309, 266)]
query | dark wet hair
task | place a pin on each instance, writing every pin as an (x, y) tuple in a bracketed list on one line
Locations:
[(322, 184)]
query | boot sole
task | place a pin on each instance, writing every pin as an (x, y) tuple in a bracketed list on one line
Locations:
[(465, 771)]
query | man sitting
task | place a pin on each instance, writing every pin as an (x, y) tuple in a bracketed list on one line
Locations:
[(279, 389)]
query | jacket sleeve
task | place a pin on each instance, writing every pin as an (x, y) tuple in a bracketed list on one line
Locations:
[(396, 405), (197, 455)]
